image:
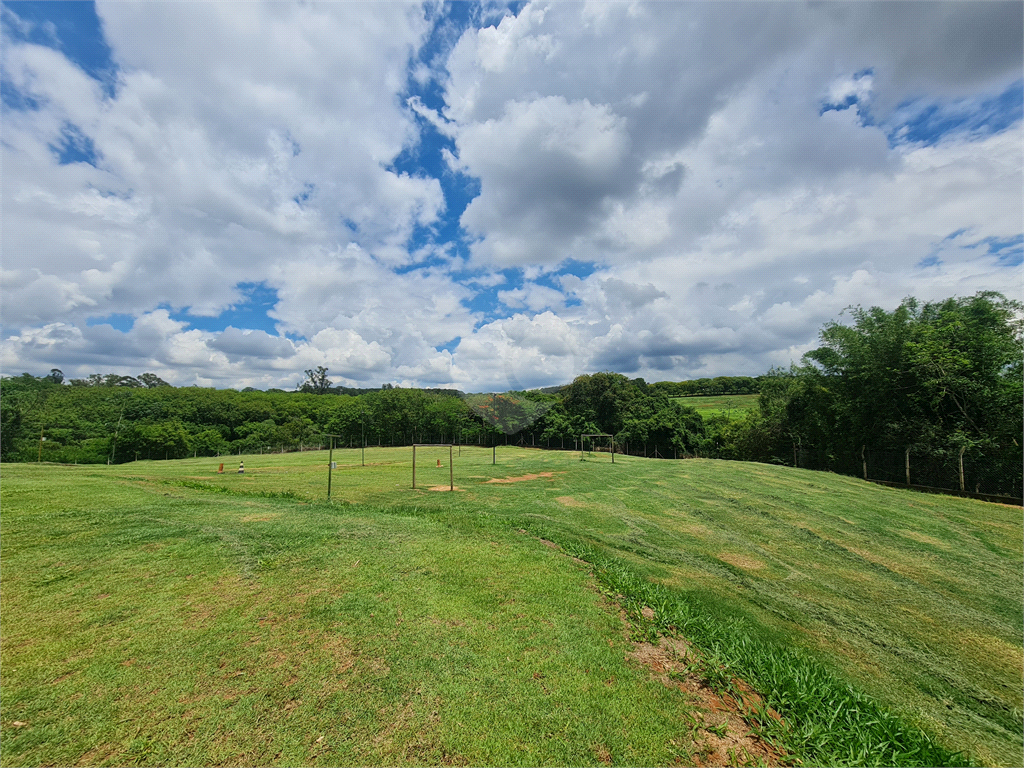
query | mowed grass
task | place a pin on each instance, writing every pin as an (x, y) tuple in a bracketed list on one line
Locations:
[(732, 405), (147, 624), (158, 612)]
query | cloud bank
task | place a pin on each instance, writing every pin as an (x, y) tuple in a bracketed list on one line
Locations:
[(667, 190)]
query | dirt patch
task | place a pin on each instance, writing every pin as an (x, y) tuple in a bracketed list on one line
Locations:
[(521, 478), (602, 754), (569, 501), (721, 724), (443, 488), (721, 733), (741, 561)]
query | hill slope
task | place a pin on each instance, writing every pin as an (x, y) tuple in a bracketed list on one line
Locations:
[(252, 593)]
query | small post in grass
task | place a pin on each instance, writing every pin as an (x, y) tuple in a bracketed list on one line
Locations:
[(330, 462), (451, 466), (583, 444), (961, 459), (908, 465)]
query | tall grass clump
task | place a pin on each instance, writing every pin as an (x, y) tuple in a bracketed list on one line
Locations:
[(825, 721)]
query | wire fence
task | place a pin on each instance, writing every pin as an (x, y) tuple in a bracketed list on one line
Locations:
[(979, 473), (995, 474)]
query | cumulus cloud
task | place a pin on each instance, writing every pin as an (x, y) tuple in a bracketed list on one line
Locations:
[(729, 177), (237, 343), (237, 136)]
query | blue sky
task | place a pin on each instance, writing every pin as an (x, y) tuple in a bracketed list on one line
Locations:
[(467, 195)]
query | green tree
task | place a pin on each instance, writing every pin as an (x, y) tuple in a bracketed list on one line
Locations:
[(151, 380), (316, 381)]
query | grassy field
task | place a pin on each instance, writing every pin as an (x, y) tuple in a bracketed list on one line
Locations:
[(731, 405), (160, 613)]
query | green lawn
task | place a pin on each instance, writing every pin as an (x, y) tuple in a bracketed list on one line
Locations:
[(731, 405), (158, 612)]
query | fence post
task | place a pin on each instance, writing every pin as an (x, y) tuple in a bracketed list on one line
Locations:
[(864, 461), (908, 465), (962, 468)]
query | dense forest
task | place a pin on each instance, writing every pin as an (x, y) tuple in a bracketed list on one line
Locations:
[(936, 383)]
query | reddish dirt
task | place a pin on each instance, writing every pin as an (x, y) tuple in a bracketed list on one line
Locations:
[(521, 478), (722, 733)]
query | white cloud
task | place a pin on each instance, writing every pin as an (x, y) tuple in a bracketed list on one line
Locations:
[(680, 150), (223, 116)]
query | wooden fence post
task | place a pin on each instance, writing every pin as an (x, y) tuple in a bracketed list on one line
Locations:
[(961, 458), (864, 461), (908, 465)]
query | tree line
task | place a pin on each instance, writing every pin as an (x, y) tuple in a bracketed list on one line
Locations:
[(931, 384), (941, 380)]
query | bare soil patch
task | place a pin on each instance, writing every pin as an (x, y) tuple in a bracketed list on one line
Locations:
[(521, 478), (722, 735), (569, 501), (721, 724), (443, 488)]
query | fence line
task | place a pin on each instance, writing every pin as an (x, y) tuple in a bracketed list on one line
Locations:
[(980, 475)]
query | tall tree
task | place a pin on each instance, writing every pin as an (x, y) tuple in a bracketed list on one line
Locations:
[(151, 380), (316, 381)]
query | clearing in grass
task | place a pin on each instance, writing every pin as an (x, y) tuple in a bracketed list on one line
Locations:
[(729, 405)]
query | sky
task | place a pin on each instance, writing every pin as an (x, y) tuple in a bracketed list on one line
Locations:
[(493, 196)]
